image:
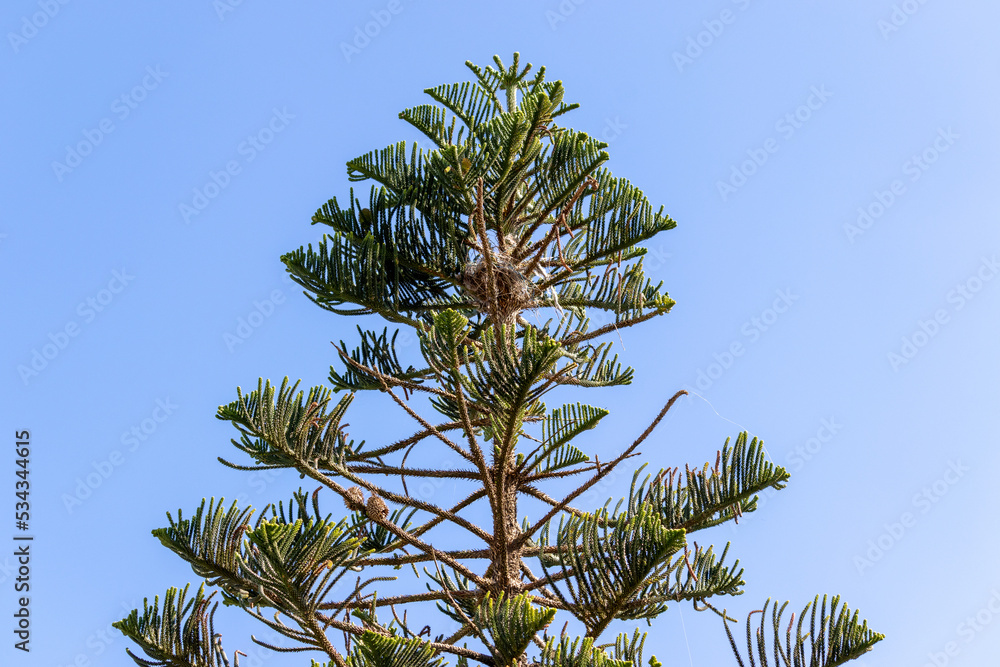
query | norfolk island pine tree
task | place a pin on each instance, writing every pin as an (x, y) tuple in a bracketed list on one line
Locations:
[(507, 214)]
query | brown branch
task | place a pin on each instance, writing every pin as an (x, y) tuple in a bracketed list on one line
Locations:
[(576, 337), (413, 439), (462, 651), (396, 599), (551, 578), (471, 498), (325, 644), (535, 582), (568, 473), (426, 548), (420, 420), (412, 472), (311, 634), (560, 473), (462, 632), (464, 554), (541, 495), (402, 465)]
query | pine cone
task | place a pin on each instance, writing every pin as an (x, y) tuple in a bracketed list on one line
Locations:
[(376, 508), (355, 499)]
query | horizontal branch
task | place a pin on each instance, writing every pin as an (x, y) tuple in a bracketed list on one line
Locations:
[(575, 338), (540, 495), (396, 599), (413, 472), (471, 498), (413, 439), (528, 552)]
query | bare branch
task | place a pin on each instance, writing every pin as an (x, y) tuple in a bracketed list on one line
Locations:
[(420, 420), (369, 469), (413, 439), (578, 337)]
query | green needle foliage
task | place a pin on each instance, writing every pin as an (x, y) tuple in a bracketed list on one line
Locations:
[(510, 252)]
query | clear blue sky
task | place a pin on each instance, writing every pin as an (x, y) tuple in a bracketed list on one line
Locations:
[(867, 344)]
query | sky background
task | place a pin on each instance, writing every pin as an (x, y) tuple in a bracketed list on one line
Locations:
[(765, 129)]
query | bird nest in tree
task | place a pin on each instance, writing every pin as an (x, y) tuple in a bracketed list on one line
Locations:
[(514, 291)]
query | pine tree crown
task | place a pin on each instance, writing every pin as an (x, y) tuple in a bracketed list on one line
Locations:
[(511, 252)]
